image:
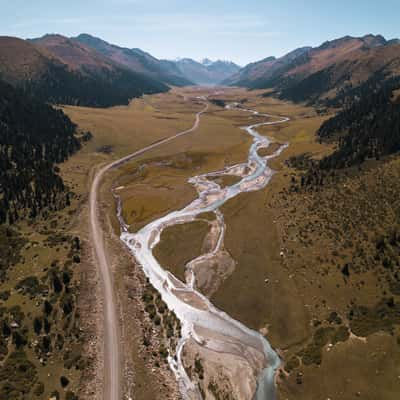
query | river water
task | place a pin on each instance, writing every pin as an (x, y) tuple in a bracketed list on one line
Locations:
[(201, 321)]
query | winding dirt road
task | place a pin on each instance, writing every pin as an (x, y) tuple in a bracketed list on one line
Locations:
[(112, 357)]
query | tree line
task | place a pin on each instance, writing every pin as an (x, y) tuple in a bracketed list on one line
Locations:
[(367, 127), (104, 88), (34, 137)]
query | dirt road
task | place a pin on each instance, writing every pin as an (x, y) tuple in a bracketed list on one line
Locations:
[(112, 351)]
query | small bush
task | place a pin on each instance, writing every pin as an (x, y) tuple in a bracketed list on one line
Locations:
[(64, 381)]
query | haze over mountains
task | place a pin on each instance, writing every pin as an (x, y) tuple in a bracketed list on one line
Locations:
[(206, 72)]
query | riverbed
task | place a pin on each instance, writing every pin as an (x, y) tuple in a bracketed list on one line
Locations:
[(201, 321)]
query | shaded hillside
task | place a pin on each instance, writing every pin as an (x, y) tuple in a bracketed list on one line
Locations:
[(75, 75), (368, 128), (34, 137), (208, 72), (136, 60)]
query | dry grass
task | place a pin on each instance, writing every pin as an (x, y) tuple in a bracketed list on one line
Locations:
[(180, 244), (295, 294), (259, 226), (125, 129)]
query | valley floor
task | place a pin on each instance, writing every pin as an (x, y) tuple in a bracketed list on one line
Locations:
[(281, 271)]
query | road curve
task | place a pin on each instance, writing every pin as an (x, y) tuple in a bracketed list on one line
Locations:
[(112, 360)]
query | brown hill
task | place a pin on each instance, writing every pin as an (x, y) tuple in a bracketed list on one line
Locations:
[(20, 60), (329, 75), (75, 55), (336, 51)]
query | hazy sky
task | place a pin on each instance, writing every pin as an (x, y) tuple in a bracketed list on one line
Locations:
[(239, 30)]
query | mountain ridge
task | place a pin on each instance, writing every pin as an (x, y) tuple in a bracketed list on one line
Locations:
[(60, 71), (136, 60), (321, 72)]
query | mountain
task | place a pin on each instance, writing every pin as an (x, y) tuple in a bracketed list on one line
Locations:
[(59, 70), (335, 71), (262, 72), (20, 61), (75, 55), (323, 72), (206, 72), (136, 60), (206, 62)]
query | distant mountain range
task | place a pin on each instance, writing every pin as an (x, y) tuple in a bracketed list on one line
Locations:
[(88, 71), (325, 72), (206, 72), (181, 72)]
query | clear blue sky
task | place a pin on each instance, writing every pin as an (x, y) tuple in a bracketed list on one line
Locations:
[(239, 30)]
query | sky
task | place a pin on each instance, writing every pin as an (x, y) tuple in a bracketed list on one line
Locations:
[(239, 30)]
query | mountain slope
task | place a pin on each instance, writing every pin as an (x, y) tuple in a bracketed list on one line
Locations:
[(74, 54), (208, 72), (61, 71), (263, 72), (21, 61), (136, 60), (369, 127), (315, 74), (332, 82)]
